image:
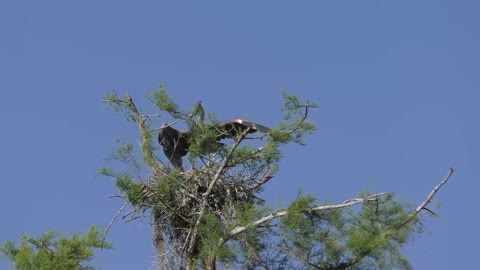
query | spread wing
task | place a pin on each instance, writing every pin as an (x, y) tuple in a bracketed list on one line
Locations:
[(176, 143), (235, 127)]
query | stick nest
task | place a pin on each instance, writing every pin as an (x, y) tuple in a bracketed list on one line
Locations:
[(176, 198)]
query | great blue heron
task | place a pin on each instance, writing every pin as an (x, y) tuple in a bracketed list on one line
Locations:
[(176, 143)]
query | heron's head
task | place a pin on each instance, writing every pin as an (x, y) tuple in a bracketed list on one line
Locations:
[(161, 133)]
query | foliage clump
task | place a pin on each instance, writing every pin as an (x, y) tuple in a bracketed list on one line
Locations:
[(53, 251)]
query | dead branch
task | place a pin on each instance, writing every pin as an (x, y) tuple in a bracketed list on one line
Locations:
[(260, 182), (151, 115), (116, 196), (283, 212), (131, 219), (128, 213), (111, 222), (157, 129), (427, 200), (347, 203), (432, 193)]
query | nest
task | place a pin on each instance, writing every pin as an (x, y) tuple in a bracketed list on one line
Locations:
[(176, 199)]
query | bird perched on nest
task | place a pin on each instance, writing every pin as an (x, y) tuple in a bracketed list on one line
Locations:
[(176, 143)]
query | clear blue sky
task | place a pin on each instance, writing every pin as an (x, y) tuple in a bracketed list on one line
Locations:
[(397, 83)]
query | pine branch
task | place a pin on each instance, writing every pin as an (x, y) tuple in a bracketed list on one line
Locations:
[(304, 117)]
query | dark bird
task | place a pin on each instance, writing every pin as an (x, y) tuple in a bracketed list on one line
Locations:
[(176, 143)]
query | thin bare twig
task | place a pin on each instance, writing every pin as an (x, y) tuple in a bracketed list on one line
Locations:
[(131, 219), (128, 213), (150, 115), (260, 182), (430, 211), (112, 101), (111, 222), (157, 129), (116, 196)]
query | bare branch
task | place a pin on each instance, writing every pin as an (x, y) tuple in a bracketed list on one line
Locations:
[(111, 222), (283, 212), (260, 182), (116, 196), (112, 101), (150, 115), (131, 219), (430, 211), (435, 190), (157, 129), (428, 198), (128, 213)]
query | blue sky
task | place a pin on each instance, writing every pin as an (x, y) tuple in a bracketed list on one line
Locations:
[(396, 81)]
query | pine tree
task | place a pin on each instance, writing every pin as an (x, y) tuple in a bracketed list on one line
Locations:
[(212, 215)]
